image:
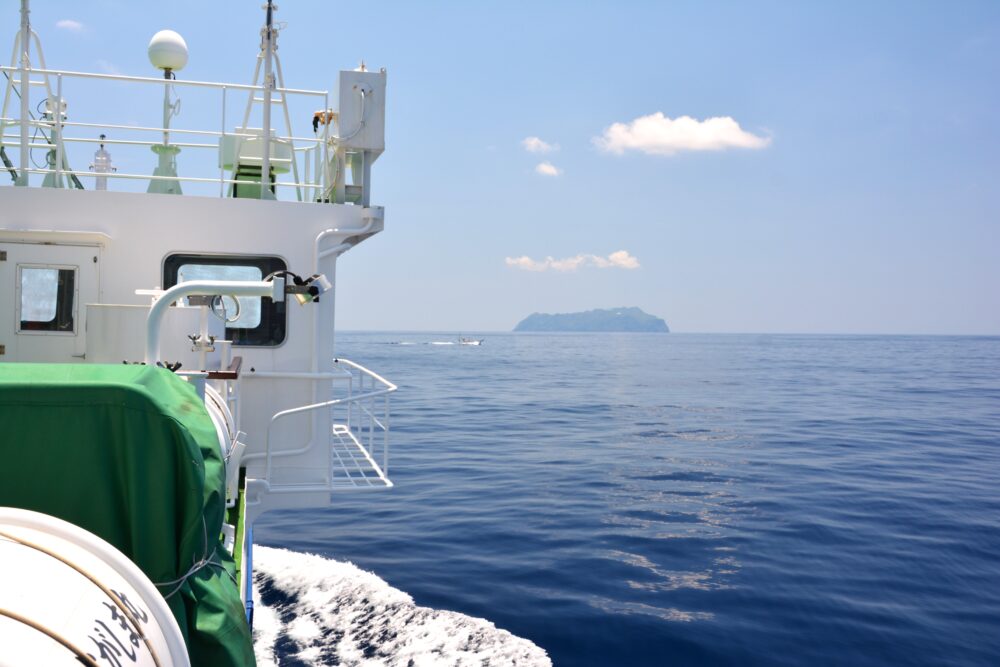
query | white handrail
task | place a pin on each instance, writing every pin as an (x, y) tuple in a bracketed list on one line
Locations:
[(147, 177), (299, 145), (272, 288), (351, 399), (367, 372), (295, 375), (144, 128), (161, 81)]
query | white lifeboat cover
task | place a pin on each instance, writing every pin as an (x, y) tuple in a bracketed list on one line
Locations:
[(60, 601)]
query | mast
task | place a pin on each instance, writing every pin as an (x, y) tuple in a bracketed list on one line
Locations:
[(265, 165), (25, 45)]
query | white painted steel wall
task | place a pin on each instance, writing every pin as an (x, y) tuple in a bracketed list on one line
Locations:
[(115, 333), (140, 230), (58, 253)]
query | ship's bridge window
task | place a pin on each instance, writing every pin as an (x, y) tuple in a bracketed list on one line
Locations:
[(250, 320), (47, 299)]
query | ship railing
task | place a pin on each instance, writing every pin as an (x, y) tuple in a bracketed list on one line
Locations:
[(313, 173), (359, 438)]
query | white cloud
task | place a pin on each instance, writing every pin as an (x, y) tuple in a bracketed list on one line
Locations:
[(108, 67), (657, 134), (616, 260), (69, 24), (547, 169), (536, 145)]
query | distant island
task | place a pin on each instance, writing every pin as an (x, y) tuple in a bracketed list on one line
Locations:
[(612, 319)]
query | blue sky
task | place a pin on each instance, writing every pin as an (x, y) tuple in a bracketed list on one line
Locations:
[(857, 193)]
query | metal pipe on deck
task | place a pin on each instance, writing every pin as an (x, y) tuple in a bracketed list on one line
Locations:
[(271, 288)]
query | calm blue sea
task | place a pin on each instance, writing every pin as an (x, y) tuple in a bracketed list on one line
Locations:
[(644, 499)]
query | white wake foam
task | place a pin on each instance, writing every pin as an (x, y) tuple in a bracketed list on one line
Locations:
[(312, 610)]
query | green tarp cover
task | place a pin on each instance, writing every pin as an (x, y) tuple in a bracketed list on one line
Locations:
[(130, 454)]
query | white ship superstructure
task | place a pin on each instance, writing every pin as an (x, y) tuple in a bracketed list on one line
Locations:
[(211, 250)]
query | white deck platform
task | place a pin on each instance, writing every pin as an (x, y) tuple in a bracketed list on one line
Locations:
[(353, 466)]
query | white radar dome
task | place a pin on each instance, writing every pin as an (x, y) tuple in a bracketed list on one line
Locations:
[(168, 50)]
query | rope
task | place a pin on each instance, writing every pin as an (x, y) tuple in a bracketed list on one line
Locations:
[(52, 634), (205, 561), (104, 589)]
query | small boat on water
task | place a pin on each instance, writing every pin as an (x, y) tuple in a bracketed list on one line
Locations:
[(470, 341)]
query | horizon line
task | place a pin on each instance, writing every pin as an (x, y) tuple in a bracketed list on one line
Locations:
[(682, 333)]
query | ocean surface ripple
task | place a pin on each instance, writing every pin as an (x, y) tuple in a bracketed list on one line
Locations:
[(647, 499)]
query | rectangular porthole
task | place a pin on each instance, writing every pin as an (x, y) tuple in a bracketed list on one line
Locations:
[(46, 300), (240, 313), (249, 320)]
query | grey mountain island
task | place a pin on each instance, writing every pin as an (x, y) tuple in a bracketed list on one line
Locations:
[(612, 319)]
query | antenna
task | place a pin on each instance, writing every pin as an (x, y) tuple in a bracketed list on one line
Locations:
[(167, 51), (265, 164), (257, 155), (50, 132), (25, 46)]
